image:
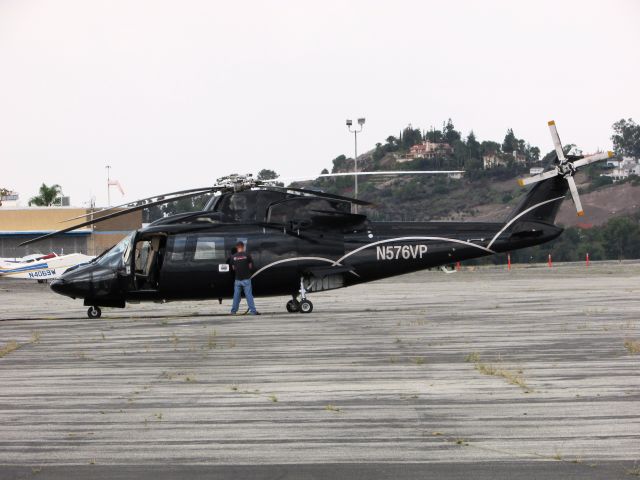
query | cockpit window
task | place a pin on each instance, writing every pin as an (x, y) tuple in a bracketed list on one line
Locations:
[(117, 254), (249, 206)]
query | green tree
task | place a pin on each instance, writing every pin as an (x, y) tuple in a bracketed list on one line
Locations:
[(488, 147), (410, 137), (626, 137), (510, 142), (266, 174), (340, 164), (3, 192), (622, 238), (47, 196), (434, 136), (533, 153), (451, 135), (473, 145)]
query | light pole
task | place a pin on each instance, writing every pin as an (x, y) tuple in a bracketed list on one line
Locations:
[(108, 167), (355, 157)]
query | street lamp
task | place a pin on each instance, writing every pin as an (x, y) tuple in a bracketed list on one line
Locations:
[(355, 132), (108, 167)]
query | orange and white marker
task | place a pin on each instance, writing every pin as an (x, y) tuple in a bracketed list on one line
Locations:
[(550, 262)]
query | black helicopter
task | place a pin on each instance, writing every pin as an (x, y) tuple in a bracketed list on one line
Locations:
[(302, 241)]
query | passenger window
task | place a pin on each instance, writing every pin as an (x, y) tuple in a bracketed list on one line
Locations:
[(177, 248), (209, 248)]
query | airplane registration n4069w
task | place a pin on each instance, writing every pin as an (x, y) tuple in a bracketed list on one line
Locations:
[(301, 241), (40, 267)]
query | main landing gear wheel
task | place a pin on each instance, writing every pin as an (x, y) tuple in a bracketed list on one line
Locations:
[(306, 306), (94, 312), (293, 306)]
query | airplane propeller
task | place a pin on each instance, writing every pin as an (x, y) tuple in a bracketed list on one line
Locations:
[(566, 166)]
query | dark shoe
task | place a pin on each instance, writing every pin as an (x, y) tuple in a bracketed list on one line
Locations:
[(257, 313)]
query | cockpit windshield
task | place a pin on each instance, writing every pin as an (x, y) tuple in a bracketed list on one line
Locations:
[(117, 254)]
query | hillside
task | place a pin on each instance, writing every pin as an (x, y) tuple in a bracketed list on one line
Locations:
[(485, 194), (488, 189)]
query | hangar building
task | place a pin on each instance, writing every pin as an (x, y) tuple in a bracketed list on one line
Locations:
[(20, 224)]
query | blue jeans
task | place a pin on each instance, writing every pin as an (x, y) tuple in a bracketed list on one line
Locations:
[(238, 286)]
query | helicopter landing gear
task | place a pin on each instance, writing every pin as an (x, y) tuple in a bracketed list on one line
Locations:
[(303, 305), (94, 312), (306, 306), (293, 305)]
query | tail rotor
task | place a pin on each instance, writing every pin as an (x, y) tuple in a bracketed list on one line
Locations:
[(566, 167)]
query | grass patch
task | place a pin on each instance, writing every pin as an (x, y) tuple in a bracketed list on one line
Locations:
[(632, 346), (212, 340), (174, 339), (635, 471), (514, 378), (10, 346), (332, 408), (418, 360), (13, 345), (273, 398), (472, 357)]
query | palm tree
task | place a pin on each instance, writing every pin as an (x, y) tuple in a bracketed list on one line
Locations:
[(3, 193), (47, 196)]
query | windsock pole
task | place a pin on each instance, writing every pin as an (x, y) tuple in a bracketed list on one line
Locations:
[(549, 261), (508, 261), (587, 259)]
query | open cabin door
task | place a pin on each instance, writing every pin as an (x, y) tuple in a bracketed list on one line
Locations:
[(143, 272)]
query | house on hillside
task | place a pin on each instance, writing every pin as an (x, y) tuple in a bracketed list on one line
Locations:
[(519, 158), (622, 168), (428, 149), (493, 160), (536, 170)]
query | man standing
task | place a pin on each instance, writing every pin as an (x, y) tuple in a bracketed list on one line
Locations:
[(242, 265)]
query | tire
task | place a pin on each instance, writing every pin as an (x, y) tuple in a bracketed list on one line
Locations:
[(293, 306), (94, 312), (306, 306)]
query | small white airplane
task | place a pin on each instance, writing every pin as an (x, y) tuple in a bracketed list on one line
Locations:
[(40, 267)]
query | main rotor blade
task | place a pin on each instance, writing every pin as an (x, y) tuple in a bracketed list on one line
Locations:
[(390, 172), (556, 141), (321, 194), (537, 178), (596, 157), (179, 192), (574, 195), (110, 216)]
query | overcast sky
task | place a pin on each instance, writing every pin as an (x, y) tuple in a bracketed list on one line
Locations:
[(173, 94)]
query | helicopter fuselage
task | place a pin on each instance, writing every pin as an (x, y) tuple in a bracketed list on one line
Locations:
[(178, 262)]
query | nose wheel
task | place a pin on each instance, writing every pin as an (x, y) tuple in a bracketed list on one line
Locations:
[(94, 312)]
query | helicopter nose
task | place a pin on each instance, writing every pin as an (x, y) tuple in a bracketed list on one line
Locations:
[(59, 286), (68, 288)]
